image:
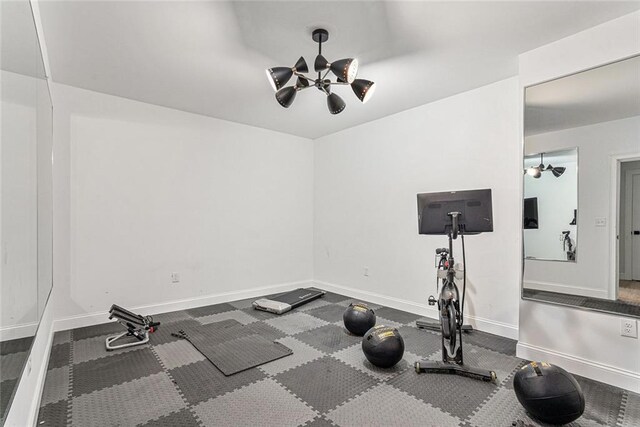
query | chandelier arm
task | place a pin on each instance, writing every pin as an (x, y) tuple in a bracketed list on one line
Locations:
[(338, 83), (325, 74)]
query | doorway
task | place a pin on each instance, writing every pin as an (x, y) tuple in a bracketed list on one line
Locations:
[(629, 233)]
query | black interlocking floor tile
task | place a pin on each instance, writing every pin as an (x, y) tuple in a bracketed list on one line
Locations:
[(396, 315), (182, 418), (419, 341), (330, 313), (332, 297), (97, 330), (492, 342), (15, 346), (111, 370), (59, 355), (319, 422), (6, 391), (328, 338), (201, 381), (210, 309), (163, 334), (53, 414), (463, 395), (325, 383), (267, 331)]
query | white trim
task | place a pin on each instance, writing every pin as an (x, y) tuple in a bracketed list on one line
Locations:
[(18, 331), (482, 324), (629, 267), (99, 317), (565, 289), (598, 371), (615, 162)]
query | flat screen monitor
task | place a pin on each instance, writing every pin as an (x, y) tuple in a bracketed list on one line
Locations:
[(531, 213), (474, 206)]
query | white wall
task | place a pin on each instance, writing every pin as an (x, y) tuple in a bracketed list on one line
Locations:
[(584, 342), (366, 181), (590, 275), (153, 191)]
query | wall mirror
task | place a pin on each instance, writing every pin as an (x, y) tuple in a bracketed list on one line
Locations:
[(25, 192), (581, 189)]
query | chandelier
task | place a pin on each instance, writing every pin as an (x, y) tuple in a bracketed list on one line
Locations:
[(345, 71)]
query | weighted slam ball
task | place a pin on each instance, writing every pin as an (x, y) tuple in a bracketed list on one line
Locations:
[(359, 318), (383, 346), (549, 393)]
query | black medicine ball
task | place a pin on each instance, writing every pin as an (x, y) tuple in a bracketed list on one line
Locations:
[(549, 393), (358, 318), (383, 346)]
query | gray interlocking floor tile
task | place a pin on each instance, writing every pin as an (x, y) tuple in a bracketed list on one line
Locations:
[(238, 315), (316, 303), (109, 371), (353, 356), (469, 393), (302, 353), (266, 331), (296, 323), (59, 356), (56, 385), (320, 421), (602, 401), (329, 312), (112, 327), (53, 414), (210, 309), (61, 337), (271, 405), (11, 364), (6, 391), (500, 363), (325, 383), (127, 404), (386, 322), (264, 315), (501, 409), (329, 338), (243, 303), (201, 381), (387, 406), (182, 418), (420, 342), (630, 411), (177, 353), (394, 315), (94, 348)]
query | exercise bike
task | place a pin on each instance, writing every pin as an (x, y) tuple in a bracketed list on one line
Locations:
[(450, 304)]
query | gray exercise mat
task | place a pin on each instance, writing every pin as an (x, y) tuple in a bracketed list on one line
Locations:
[(233, 347)]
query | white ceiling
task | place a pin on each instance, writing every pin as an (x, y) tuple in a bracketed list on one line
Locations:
[(209, 57), (606, 93)]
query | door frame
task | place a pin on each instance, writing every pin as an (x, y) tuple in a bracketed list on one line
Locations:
[(614, 241), (629, 216)]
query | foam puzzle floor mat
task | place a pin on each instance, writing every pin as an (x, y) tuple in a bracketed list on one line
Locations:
[(327, 381)]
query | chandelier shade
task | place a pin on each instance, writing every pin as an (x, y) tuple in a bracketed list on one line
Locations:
[(345, 70)]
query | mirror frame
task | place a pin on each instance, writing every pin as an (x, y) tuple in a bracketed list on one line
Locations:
[(598, 305)]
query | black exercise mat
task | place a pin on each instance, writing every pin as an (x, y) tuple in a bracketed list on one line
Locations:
[(233, 347)]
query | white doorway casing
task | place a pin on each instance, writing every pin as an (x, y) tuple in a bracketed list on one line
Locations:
[(632, 224)]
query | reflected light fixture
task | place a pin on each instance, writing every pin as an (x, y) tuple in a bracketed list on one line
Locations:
[(345, 70), (536, 171)]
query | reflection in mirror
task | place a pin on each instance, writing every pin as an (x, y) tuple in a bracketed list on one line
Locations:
[(550, 205), (595, 113), (25, 192)]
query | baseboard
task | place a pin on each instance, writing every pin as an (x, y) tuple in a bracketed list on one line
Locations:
[(479, 323), (598, 371), (565, 289), (18, 331), (96, 318)]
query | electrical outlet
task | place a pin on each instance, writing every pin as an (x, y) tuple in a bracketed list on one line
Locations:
[(175, 277), (629, 328), (601, 222), (366, 271)]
